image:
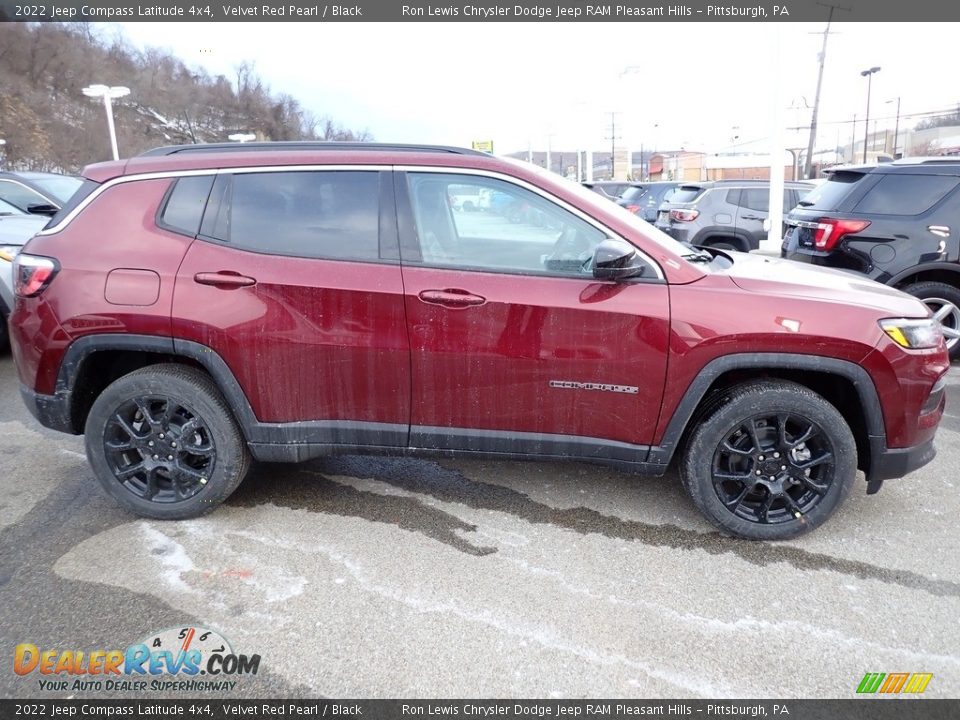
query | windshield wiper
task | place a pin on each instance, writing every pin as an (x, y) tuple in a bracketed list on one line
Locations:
[(698, 257)]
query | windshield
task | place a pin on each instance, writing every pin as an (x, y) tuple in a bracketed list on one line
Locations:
[(61, 187), (8, 209)]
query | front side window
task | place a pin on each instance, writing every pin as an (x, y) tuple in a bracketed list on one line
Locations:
[(329, 214), (478, 223)]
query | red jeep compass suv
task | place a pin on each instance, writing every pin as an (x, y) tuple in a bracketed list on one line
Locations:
[(200, 305)]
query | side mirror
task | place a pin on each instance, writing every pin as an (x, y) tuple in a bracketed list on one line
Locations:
[(42, 209), (616, 260)]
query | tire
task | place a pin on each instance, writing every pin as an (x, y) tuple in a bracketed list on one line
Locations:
[(131, 457), (4, 335), (797, 500), (944, 302)]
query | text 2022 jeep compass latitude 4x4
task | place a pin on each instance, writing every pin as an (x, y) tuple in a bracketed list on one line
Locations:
[(201, 305)]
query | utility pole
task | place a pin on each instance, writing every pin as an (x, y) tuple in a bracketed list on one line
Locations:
[(808, 165), (613, 141)]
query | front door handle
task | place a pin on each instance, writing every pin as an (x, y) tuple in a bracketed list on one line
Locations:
[(451, 298), (224, 279)]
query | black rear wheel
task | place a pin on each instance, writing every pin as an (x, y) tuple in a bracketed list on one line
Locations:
[(770, 461), (164, 444)]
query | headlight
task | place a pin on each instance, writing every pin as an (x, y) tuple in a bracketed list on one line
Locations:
[(914, 334), (9, 252)]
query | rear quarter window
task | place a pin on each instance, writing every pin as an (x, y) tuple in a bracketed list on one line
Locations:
[(185, 203), (687, 194), (830, 194), (906, 194)]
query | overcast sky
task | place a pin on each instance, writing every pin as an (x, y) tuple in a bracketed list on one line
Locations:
[(699, 83)]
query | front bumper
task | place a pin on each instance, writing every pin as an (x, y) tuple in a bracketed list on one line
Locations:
[(889, 463), (52, 411)]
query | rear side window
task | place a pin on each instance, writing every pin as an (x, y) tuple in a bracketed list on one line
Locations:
[(830, 194), (906, 194), (319, 214), (185, 203), (686, 194)]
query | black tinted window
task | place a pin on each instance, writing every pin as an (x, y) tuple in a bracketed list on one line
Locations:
[(185, 204), (755, 199), (323, 214), (829, 195), (686, 194), (906, 194)]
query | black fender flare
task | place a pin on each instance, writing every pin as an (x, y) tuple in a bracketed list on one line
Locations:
[(916, 269), (82, 348), (860, 378)]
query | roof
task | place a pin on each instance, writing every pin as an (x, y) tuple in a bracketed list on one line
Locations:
[(304, 145), (179, 158)]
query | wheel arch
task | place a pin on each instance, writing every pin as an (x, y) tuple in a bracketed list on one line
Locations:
[(92, 362), (722, 233), (844, 384), (945, 272)]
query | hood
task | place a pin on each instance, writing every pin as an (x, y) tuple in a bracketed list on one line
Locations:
[(777, 277), (17, 229)]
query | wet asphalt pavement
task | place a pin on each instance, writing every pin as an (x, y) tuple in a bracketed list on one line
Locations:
[(380, 577)]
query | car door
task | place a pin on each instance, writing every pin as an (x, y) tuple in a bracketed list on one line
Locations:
[(754, 209), (515, 347), (295, 282)]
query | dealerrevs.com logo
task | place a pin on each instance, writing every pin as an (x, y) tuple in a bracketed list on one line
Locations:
[(186, 659)]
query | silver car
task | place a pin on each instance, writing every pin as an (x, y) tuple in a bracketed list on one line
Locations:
[(16, 227)]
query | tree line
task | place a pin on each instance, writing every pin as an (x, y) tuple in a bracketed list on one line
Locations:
[(48, 124)]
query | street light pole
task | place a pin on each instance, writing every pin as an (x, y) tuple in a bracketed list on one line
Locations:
[(868, 74), (896, 128), (108, 94)]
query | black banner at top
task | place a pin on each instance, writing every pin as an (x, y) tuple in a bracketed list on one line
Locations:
[(478, 11)]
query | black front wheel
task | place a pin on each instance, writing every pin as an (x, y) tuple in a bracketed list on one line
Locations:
[(772, 460), (164, 444)]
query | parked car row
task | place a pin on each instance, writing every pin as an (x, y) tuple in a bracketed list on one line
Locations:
[(897, 223)]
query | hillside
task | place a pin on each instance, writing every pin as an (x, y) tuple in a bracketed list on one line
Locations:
[(48, 123)]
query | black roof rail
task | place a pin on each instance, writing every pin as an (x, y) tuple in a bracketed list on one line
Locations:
[(304, 145)]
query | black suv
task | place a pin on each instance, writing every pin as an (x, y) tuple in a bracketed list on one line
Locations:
[(896, 223)]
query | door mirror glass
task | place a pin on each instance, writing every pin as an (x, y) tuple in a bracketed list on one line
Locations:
[(42, 209), (616, 260)]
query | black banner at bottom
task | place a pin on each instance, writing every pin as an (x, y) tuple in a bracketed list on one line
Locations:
[(855, 709)]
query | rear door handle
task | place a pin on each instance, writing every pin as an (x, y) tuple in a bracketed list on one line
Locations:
[(224, 278), (451, 298), (753, 217)]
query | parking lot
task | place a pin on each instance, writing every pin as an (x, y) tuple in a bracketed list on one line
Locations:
[(482, 579)]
